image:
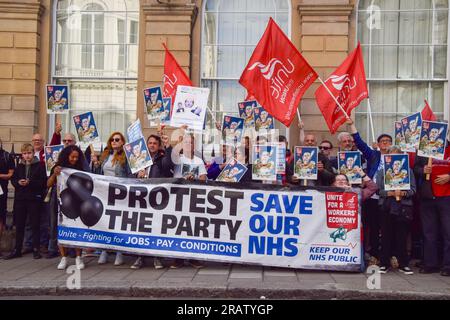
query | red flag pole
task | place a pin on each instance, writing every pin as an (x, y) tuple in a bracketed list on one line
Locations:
[(334, 98)]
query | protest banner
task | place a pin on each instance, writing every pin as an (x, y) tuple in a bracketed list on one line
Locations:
[(305, 162), (399, 136), (396, 172), (246, 112), (433, 140), (137, 155), (232, 130), (411, 130), (349, 163), (232, 172), (153, 105), (269, 225), (51, 156), (134, 131), (57, 98), (264, 163), (86, 128), (189, 107)]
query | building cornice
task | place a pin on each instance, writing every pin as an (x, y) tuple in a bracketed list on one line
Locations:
[(27, 8), (171, 9), (325, 10)]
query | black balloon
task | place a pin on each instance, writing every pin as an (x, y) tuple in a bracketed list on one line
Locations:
[(91, 211), (81, 184), (70, 204)]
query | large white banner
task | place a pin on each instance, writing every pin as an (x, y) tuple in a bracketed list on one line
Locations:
[(256, 224)]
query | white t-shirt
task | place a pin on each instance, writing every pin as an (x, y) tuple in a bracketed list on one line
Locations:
[(194, 166), (108, 168)]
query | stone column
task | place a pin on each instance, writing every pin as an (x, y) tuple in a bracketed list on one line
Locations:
[(19, 70), (327, 32), (171, 23)]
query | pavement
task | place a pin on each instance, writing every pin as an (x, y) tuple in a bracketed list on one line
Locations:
[(27, 277)]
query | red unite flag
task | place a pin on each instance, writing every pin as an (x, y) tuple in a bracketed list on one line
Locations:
[(348, 85), (277, 75), (427, 113), (174, 76)]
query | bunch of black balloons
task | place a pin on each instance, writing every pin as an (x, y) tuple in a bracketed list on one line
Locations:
[(77, 200)]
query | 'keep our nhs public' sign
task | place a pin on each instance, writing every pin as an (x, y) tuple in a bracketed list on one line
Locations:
[(256, 224)]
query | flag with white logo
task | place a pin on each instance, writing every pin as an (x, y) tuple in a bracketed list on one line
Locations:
[(348, 85), (277, 75), (174, 76)]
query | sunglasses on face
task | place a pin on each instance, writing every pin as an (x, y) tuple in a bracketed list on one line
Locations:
[(116, 139), (65, 141), (324, 148)]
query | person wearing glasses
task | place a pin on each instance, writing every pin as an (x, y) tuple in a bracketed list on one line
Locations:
[(113, 163), (325, 148), (375, 163)]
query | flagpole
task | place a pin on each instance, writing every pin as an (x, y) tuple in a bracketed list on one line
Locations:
[(298, 115), (371, 119), (334, 98)]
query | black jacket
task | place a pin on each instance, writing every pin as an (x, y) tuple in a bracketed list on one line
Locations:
[(37, 188), (162, 164), (424, 189), (324, 178)]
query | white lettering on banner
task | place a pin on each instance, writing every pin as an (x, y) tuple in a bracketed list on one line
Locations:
[(278, 84), (279, 227)]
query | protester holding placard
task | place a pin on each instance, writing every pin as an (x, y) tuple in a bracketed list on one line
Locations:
[(375, 163), (70, 157), (162, 167), (219, 163), (189, 167), (113, 163), (324, 170), (396, 208), (435, 208), (346, 143)]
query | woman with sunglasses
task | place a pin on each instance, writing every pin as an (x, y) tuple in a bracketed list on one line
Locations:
[(113, 163)]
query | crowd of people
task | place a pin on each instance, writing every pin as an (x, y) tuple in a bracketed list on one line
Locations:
[(387, 216)]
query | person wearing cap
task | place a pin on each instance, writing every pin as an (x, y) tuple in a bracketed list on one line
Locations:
[(375, 163)]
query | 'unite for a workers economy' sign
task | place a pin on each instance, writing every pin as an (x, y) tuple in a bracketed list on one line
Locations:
[(310, 228)]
